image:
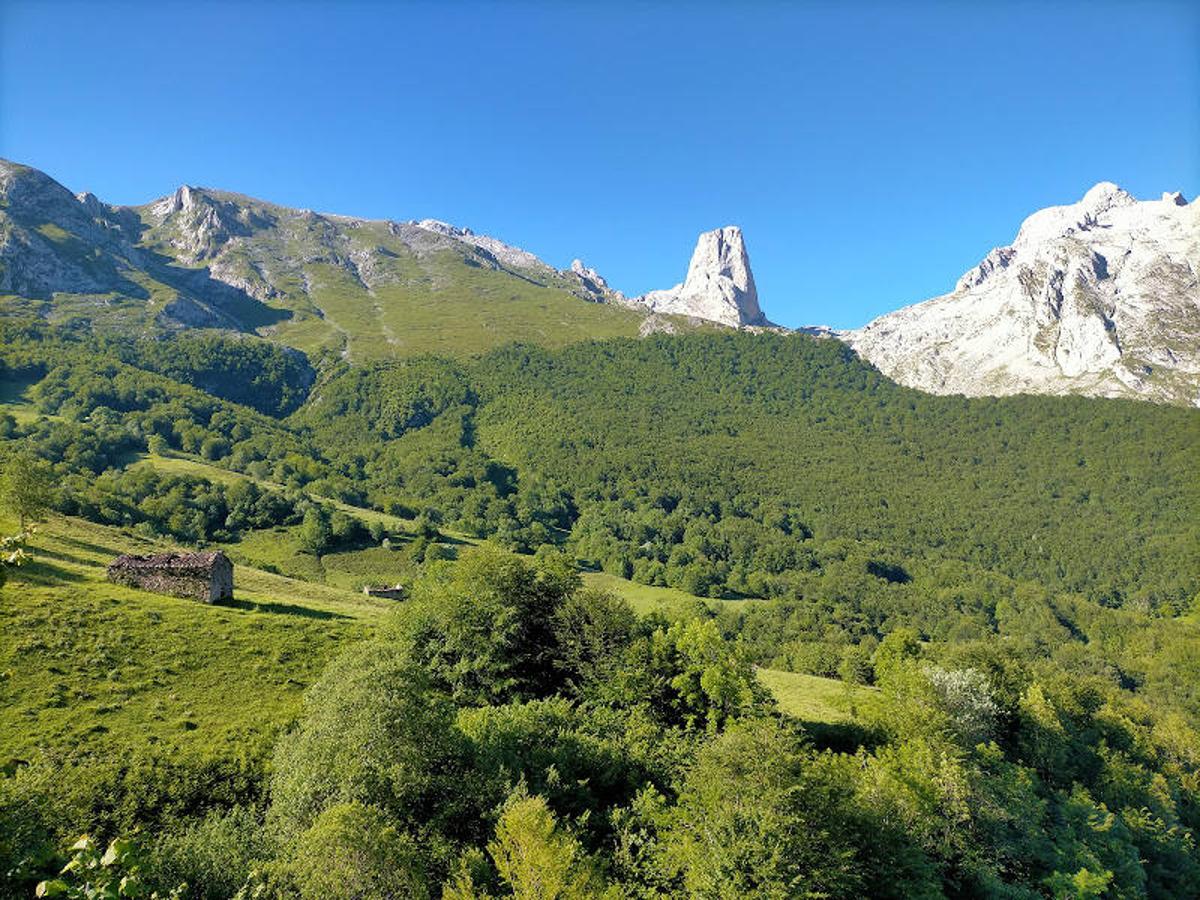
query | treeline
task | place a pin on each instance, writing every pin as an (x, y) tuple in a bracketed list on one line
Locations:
[(187, 508), (266, 377), (511, 734), (98, 410), (99, 414), (250, 371)]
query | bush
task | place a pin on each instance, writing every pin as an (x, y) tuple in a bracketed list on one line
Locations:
[(354, 851), (375, 733), (213, 856), (115, 873)]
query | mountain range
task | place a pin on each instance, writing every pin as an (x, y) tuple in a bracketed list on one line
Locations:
[(1099, 297)]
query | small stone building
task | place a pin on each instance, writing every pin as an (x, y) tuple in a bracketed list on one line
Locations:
[(387, 592), (207, 577)]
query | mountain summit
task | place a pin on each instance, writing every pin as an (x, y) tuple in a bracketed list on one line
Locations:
[(325, 283), (1099, 297), (719, 284)]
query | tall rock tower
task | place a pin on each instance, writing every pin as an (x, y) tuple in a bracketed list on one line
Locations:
[(719, 284)]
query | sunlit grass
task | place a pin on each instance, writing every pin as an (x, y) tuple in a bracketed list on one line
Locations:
[(814, 699), (91, 667)]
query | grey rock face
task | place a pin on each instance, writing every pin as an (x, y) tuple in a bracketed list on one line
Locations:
[(53, 242), (200, 223), (719, 286), (1099, 297), (505, 254), (50, 240), (592, 284)]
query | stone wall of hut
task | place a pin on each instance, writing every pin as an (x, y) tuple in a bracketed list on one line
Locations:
[(205, 583)]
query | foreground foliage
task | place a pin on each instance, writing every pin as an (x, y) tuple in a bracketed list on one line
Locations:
[(656, 765)]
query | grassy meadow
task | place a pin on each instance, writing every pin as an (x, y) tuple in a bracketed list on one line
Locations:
[(814, 699), (88, 667)]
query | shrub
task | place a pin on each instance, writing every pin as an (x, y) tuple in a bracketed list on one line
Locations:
[(353, 851)]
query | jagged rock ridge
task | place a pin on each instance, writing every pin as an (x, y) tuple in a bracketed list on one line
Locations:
[(1099, 297), (200, 257), (719, 286)]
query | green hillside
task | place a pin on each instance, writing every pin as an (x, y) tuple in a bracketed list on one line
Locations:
[(122, 669), (918, 646), (751, 439)]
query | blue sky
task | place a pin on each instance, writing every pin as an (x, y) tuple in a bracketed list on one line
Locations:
[(871, 152)]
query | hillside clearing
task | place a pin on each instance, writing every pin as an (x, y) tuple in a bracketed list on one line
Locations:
[(814, 699), (88, 667)]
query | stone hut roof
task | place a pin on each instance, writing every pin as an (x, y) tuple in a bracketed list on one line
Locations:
[(176, 562)]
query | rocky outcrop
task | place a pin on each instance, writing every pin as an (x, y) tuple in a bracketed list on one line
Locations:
[(719, 286), (51, 240), (592, 285), (1099, 297), (504, 254), (198, 223), (55, 245)]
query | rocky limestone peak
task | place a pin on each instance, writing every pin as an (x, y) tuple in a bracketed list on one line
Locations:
[(27, 191), (203, 221), (31, 262), (444, 228), (1100, 297), (588, 274), (34, 198), (1175, 198), (183, 200), (504, 255), (1060, 221), (719, 285), (1104, 196), (592, 285)]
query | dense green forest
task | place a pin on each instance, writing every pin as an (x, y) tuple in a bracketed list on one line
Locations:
[(1013, 585), (720, 456)]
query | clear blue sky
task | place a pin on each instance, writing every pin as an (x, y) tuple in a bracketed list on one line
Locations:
[(872, 153)]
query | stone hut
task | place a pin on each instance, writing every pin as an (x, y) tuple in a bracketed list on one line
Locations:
[(387, 592), (207, 577)]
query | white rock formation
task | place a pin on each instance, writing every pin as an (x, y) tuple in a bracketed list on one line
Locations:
[(589, 274), (506, 254), (182, 200), (1100, 297), (719, 286), (201, 221)]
